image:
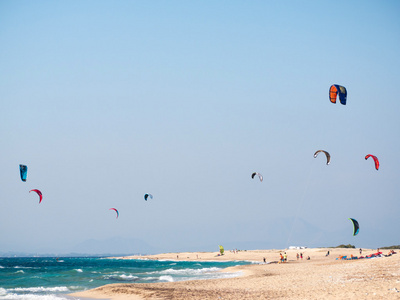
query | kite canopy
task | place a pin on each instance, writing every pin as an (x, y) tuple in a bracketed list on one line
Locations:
[(23, 170), (328, 156), (39, 193), (221, 250), (114, 209), (148, 196), (335, 90), (375, 160), (258, 174), (356, 226)]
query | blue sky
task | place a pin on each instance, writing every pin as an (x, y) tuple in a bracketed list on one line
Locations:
[(108, 100)]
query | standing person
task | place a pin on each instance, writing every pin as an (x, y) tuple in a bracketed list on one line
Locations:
[(281, 257), (264, 260), (360, 251), (297, 256), (301, 256), (285, 257)]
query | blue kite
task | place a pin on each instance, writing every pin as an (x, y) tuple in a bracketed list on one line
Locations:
[(23, 170)]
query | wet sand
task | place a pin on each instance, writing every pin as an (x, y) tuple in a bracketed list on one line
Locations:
[(321, 277)]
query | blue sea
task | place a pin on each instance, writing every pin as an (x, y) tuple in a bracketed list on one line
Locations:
[(51, 278)]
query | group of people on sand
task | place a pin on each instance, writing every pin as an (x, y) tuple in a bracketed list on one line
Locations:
[(283, 258)]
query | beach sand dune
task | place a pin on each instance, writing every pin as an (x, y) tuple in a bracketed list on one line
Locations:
[(321, 277)]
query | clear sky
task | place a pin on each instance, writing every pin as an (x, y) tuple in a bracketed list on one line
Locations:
[(105, 101)]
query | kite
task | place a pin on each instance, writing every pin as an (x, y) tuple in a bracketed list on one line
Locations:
[(375, 160), (39, 193), (356, 226), (23, 170), (338, 89), (328, 157), (148, 196), (115, 211), (258, 174)]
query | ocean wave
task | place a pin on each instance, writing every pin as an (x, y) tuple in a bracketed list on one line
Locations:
[(186, 271), (40, 289), (33, 293), (31, 297), (78, 270), (166, 278), (151, 279), (121, 277)]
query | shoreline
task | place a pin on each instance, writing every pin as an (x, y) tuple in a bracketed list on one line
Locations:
[(320, 277)]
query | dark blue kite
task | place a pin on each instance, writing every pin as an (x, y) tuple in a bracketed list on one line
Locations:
[(356, 226), (335, 90)]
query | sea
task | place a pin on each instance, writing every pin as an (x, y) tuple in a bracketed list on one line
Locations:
[(52, 278)]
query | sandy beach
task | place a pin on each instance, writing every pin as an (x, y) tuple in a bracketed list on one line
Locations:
[(320, 277)]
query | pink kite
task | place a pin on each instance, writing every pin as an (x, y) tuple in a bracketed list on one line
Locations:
[(115, 211)]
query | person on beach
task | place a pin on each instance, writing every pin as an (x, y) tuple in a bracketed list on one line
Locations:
[(285, 257), (297, 256), (327, 254), (360, 251), (264, 260), (301, 256), (281, 257)]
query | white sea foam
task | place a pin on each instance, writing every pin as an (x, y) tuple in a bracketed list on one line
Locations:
[(186, 271), (121, 277), (167, 278), (189, 274), (31, 297), (40, 289), (163, 260), (128, 277), (150, 278), (79, 270), (32, 293)]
